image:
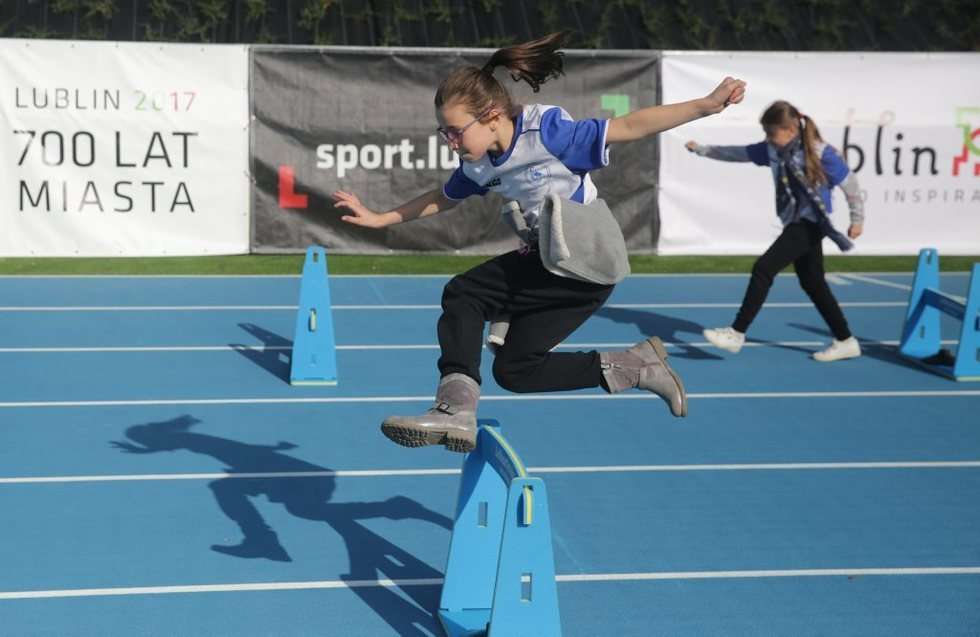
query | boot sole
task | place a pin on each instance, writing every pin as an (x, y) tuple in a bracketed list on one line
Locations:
[(658, 347), (408, 436)]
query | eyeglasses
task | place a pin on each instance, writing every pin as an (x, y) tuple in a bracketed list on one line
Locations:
[(455, 135)]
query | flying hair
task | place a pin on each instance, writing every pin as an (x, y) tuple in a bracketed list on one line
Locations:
[(477, 89)]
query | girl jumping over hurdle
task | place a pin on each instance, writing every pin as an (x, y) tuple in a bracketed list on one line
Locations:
[(805, 169), (538, 159)]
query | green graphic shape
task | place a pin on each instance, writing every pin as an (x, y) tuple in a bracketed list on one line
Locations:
[(619, 105), (962, 120)]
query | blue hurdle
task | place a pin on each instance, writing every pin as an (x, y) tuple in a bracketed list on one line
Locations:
[(920, 336), (314, 357), (500, 575)]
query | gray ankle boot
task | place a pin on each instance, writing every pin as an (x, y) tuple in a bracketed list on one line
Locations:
[(451, 421), (645, 366)]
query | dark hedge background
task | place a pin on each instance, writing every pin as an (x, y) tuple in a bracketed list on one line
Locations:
[(817, 25)]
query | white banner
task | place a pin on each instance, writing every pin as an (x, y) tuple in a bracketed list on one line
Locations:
[(908, 125), (113, 149)]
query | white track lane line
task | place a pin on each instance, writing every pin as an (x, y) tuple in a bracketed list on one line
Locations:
[(575, 578), (963, 393), (394, 347), (387, 473)]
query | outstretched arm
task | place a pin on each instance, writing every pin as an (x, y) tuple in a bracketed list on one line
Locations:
[(722, 153), (656, 119), (429, 203)]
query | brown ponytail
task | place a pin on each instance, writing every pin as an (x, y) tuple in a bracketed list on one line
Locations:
[(476, 88), (534, 62), (811, 135), (782, 114)]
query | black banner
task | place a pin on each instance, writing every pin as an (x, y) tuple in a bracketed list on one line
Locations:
[(363, 120)]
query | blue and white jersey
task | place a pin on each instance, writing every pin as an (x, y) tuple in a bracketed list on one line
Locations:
[(550, 154), (765, 154)]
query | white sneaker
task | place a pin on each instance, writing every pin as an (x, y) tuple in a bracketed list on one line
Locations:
[(726, 338), (839, 350)]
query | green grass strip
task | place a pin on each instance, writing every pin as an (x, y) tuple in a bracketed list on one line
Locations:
[(423, 264)]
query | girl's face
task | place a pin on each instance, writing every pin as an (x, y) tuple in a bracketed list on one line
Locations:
[(469, 134), (779, 136)]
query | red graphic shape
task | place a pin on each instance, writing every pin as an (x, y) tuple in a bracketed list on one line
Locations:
[(288, 197), (962, 157)]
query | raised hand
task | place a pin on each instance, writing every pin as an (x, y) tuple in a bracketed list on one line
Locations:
[(730, 91), (358, 213)]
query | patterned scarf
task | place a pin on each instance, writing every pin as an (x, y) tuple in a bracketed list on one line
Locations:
[(791, 167)]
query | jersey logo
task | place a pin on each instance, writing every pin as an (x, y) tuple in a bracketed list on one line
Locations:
[(493, 182), (537, 174)]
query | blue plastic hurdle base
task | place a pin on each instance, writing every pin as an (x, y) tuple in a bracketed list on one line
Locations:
[(921, 341), (314, 357), (500, 575)]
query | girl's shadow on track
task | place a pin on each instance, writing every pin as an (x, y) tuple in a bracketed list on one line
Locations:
[(305, 490), (666, 327)]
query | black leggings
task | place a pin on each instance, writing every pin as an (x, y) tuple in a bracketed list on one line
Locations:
[(544, 309), (799, 244)]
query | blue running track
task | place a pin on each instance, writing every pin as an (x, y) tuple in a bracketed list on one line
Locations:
[(159, 476)]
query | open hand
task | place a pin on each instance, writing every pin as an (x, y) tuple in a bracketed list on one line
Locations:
[(359, 214), (730, 91)]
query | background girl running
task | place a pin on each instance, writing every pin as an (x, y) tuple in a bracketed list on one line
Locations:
[(804, 169)]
